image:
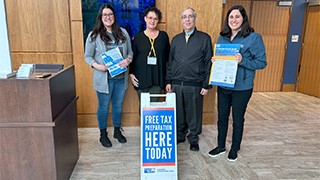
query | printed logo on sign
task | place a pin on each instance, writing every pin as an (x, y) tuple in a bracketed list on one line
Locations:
[(149, 170)]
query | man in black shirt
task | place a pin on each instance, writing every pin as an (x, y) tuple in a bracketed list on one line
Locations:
[(188, 71)]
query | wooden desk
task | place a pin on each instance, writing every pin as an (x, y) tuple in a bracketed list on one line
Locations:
[(38, 127)]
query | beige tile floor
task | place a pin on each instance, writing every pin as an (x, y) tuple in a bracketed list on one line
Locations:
[(281, 141)]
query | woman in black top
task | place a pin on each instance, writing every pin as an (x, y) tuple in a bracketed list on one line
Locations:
[(148, 68)]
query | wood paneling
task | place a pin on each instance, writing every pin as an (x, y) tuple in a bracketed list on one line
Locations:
[(39, 32), (288, 87), (309, 76), (272, 22), (208, 13), (162, 6), (41, 58), (75, 10), (39, 26)]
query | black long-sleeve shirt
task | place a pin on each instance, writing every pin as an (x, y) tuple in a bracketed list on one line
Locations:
[(190, 62), (149, 75)]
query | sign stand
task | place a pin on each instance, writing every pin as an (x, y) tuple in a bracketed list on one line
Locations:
[(158, 138)]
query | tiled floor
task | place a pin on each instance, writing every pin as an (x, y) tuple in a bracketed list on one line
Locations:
[(281, 141)]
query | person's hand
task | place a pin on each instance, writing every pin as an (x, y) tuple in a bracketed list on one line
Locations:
[(213, 59), (100, 67), (125, 62), (204, 91), (134, 80), (168, 88), (239, 58)]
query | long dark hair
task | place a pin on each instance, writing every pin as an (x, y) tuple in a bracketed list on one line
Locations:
[(246, 29), (100, 29)]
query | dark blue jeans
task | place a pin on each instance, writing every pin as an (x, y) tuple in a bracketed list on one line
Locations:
[(116, 95), (238, 100)]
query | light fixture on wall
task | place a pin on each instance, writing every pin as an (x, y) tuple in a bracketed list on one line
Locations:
[(313, 2), (285, 3)]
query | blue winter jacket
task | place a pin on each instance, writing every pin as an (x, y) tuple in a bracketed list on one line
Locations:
[(253, 58)]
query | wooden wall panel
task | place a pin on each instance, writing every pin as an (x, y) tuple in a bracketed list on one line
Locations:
[(208, 13), (309, 76), (272, 22), (41, 58), (39, 26), (75, 10), (162, 6)]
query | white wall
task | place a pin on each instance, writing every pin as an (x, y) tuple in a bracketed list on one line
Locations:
[(5, 55)]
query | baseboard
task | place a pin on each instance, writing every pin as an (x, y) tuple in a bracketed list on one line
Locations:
[(288, 87)]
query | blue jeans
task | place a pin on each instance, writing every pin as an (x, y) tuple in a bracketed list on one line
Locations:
[(116, 95)]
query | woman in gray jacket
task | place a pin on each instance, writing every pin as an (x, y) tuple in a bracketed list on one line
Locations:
[(107, 35)]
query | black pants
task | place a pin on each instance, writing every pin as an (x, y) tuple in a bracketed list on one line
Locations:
[(189, 105), (238, 100)]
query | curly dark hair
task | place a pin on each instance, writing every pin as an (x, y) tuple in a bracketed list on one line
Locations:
[(246, 29), (153, 9), (100, 29)]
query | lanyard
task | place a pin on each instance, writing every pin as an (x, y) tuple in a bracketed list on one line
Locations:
[(152, 47)]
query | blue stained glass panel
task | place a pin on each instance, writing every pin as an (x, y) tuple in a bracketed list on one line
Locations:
[(129, 14)]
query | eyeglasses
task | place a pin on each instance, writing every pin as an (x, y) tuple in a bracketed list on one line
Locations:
[(107, 15), (155, 19), (189, 17)]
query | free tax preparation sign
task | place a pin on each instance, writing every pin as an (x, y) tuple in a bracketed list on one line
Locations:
[(158, 146)]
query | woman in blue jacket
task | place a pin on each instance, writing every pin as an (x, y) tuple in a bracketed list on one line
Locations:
[(252, 57)]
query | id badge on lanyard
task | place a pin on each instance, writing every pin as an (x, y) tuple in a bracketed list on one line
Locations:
[(152, 60)]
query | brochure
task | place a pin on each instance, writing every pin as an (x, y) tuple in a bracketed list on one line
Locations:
[(224, 68), (112, 58)]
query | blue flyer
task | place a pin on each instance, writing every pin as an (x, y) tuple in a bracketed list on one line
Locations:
[(112, 58), (224, 69)]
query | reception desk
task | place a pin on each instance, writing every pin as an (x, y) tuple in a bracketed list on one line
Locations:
[(38, 127)]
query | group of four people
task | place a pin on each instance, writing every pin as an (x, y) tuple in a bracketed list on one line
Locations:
[(182, 67)]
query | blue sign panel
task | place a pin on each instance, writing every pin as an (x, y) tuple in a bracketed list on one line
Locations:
[(158, 137)]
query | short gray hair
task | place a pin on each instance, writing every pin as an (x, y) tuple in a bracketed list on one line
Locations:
[(194, 12)]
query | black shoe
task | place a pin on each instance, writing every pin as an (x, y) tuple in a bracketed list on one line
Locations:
[(104, 140), (181, 141), (118, 135), (216, 151), (194, 147), (233, 156)]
